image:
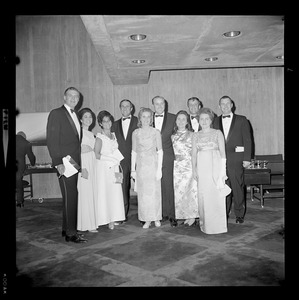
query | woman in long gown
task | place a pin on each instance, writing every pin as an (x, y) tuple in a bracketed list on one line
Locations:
[(185, 186), (110, 203), (87, 182), (209, 169), (147, 153)]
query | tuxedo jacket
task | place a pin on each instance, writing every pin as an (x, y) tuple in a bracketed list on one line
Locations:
[(190, 122), (239, 135), (62, 136), (23, 148), (125, 145), (166, 132)]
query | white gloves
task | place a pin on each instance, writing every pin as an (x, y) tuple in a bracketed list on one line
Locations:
[(222, 174), (159, 168), (133, 164)]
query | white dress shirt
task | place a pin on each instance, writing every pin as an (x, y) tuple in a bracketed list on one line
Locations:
[(159, 121), (125, 125), (226, 122), (194, 124), (74, 117)]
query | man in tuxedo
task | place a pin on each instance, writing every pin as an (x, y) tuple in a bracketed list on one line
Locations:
[(165, 121), (64, 135), (23, 148), (123, 129), (238, 145), (194, 105)]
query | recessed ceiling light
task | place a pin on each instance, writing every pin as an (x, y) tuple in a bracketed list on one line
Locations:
[(138, 61), (280, 57), (231, 34), (137, 37), (211, 58)]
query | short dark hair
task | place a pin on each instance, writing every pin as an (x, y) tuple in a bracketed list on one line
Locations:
[(194, 98), (156, 97), (71, 89), (188, 125), (226, 97), (84, 110), (102, 114), (127, 101)]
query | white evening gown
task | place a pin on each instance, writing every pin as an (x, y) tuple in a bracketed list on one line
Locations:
[(212, 205), (110, 203), (87, 192)]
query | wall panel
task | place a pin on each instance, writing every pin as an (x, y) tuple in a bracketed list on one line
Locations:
[(56, 52), (137, 94), (258, 94)]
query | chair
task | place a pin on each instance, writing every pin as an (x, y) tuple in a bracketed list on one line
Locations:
[(27, 188), (276, 187)]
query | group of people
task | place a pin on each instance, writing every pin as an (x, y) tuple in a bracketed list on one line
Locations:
[(186, 167)]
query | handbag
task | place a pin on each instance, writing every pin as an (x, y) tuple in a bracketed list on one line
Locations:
[(119, 176)]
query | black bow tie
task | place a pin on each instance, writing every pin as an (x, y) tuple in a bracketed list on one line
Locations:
[(228, 116), (126, 118), (157, 116), (72, 110), (194, 117)]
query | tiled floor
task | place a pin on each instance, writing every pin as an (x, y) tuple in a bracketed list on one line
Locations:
[(249, 254)]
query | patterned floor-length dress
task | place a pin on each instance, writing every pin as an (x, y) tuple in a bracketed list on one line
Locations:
[(148, 188), (185, 187)]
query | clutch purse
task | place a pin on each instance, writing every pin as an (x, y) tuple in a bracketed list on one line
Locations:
[(225, 191), (119, 176)]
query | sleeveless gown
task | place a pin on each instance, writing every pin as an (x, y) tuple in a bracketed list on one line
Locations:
[(87, 187), (212, 206), (148, 188), (185, 187), (110, 202)]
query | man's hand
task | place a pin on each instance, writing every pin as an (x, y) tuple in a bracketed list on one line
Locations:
[(61, 169), (246, 163)]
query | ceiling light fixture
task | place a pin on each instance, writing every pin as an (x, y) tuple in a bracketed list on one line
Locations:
[(138, 61), (231, 34), (280, 57), (211, 58), (137, 37)]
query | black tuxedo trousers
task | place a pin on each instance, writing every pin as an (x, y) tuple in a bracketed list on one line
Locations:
[(68, 187), (126, 185)]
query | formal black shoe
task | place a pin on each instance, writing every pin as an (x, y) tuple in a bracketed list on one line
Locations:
[(63, 233), (75, 238), (194, 224), (173, 222), (123, 222), (239, 220)]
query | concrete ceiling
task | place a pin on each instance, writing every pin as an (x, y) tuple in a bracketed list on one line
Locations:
[(183, 42)]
